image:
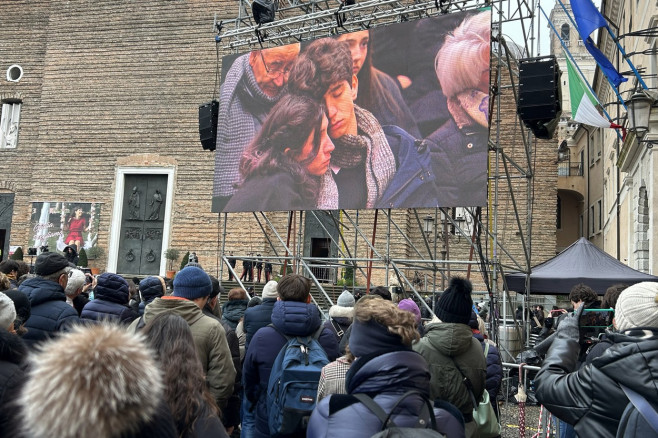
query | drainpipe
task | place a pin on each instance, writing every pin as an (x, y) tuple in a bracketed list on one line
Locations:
[(587, 182)]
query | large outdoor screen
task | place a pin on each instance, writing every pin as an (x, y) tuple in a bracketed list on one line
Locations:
[(391, 117)]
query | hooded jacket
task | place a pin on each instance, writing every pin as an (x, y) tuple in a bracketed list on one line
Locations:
[(340, 319), (446, 346), (258, 317), (233, 311), (294, 319), (50, 313), (13, 354), (388, 376), (590, 398), (209, 339), (110, 302)]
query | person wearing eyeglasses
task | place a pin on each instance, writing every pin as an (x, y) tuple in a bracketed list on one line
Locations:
[(253, 85), (46, 292)]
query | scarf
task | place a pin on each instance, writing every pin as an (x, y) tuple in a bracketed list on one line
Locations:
[(242, 110), (470, 107), (328, 195), (368, 147)]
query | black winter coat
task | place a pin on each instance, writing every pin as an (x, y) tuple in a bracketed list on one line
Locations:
[(12, 376), (590, 398), (494, 368), (257, 317), (50, 313)]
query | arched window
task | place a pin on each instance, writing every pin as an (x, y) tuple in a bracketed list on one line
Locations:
[(564, 33)]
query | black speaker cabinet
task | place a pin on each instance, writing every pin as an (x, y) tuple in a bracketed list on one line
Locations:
[(208, 125), (540, 97)]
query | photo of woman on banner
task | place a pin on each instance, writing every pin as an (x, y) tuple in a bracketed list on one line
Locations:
[(362, 163), (77, 223), (286, 167), (378, 92), (459, 148)]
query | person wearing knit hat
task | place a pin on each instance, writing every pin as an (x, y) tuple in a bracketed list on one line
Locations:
[(630, 365), (341, 315), (7, 313), (385, 367), (269, 290), (192, 287), (448, 346), (49, 312), (257, 317), (637, 306)]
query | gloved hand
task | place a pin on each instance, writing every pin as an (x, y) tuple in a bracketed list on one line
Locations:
[(569, 327)]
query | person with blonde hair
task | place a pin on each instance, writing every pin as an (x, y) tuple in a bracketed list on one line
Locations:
[(386, 368), (459, 147)]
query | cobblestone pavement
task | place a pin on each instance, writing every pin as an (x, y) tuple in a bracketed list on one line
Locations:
[(510, 420)]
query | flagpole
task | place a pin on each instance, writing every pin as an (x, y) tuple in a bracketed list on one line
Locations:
[(566, 50), (614, 38)]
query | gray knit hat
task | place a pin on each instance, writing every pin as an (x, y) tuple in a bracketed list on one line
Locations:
[(7, 312), (346, 299), (637, 306)]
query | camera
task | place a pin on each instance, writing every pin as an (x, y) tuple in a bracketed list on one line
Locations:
[(31, 251), (89, 279), (44, 248)]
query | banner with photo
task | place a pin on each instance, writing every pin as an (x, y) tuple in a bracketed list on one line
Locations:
[(392, 117), (58, 224)]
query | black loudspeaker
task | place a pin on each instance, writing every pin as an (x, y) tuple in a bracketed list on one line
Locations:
[(264, 11), (540, 96), (208, 125)]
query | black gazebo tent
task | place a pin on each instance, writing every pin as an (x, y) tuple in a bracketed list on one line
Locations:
[(582, 262)]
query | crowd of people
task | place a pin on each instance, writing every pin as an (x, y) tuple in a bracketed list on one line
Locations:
[(81, 358), (318, 126)]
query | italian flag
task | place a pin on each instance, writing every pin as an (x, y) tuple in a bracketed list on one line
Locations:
[(583, 102)]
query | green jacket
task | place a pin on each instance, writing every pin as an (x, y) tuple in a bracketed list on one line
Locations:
[(209, 339), (443, 345)]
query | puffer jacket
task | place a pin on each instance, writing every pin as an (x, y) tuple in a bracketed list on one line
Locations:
[(209, 340), (257, 317), (13, 355), (494, 367), (590, 398), (50, 313), (233, 311), (340, 319), (110, 302), (443, 346), (293, 319), (387, 376)]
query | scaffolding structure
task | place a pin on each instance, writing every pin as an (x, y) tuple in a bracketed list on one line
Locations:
[(511, 176)]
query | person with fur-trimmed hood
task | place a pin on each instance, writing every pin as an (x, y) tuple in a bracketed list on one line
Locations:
[(50, 313), (111, 298), (341, 315), (449, 346), (105, 377), (192, 287)]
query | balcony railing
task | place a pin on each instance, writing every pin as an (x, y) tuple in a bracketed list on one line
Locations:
[(569, 169)]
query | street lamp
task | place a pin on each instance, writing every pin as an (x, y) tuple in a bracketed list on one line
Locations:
[(638, 108), (428, 225)]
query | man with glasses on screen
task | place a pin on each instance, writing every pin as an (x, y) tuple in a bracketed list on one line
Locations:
[(50, 313), (254, 83)]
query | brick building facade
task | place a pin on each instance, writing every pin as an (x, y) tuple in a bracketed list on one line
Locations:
[(112, 89)]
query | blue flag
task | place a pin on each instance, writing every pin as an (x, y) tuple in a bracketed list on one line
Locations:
[(588, 19)]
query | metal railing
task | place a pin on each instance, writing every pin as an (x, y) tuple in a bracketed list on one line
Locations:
[(570, 169)]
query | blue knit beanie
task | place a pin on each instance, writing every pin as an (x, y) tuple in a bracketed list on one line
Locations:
[(192, 283)]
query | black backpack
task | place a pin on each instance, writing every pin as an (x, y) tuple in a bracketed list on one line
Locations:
[(422, 429), (639, 418)]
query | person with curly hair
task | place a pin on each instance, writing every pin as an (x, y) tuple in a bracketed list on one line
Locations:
[(385, 368), (192, 406)]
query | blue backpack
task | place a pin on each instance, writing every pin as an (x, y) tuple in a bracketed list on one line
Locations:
[(293, 386)]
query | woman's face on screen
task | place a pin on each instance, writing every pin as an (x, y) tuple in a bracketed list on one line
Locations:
[(320, 164)]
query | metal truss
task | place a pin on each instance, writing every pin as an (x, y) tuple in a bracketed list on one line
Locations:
[(511, 173), (306, 20)]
